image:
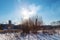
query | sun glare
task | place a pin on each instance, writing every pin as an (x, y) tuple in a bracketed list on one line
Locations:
[(26, 13), (29, 11)]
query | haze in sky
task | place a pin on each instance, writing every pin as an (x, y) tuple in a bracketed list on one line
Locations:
[(16, 10)]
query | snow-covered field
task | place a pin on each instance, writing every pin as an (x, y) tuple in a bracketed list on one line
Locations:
[(39, 36)]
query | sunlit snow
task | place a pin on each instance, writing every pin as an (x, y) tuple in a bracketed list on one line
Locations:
[(39, 36)]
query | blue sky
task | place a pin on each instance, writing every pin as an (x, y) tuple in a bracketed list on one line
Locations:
[(12, 10)]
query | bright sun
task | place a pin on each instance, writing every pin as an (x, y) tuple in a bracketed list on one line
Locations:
[(29, 11), (26, 13)]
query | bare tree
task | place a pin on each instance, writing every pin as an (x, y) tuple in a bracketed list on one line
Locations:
[(32, 24)]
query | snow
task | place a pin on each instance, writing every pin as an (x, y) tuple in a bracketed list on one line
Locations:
[(31, 36)]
